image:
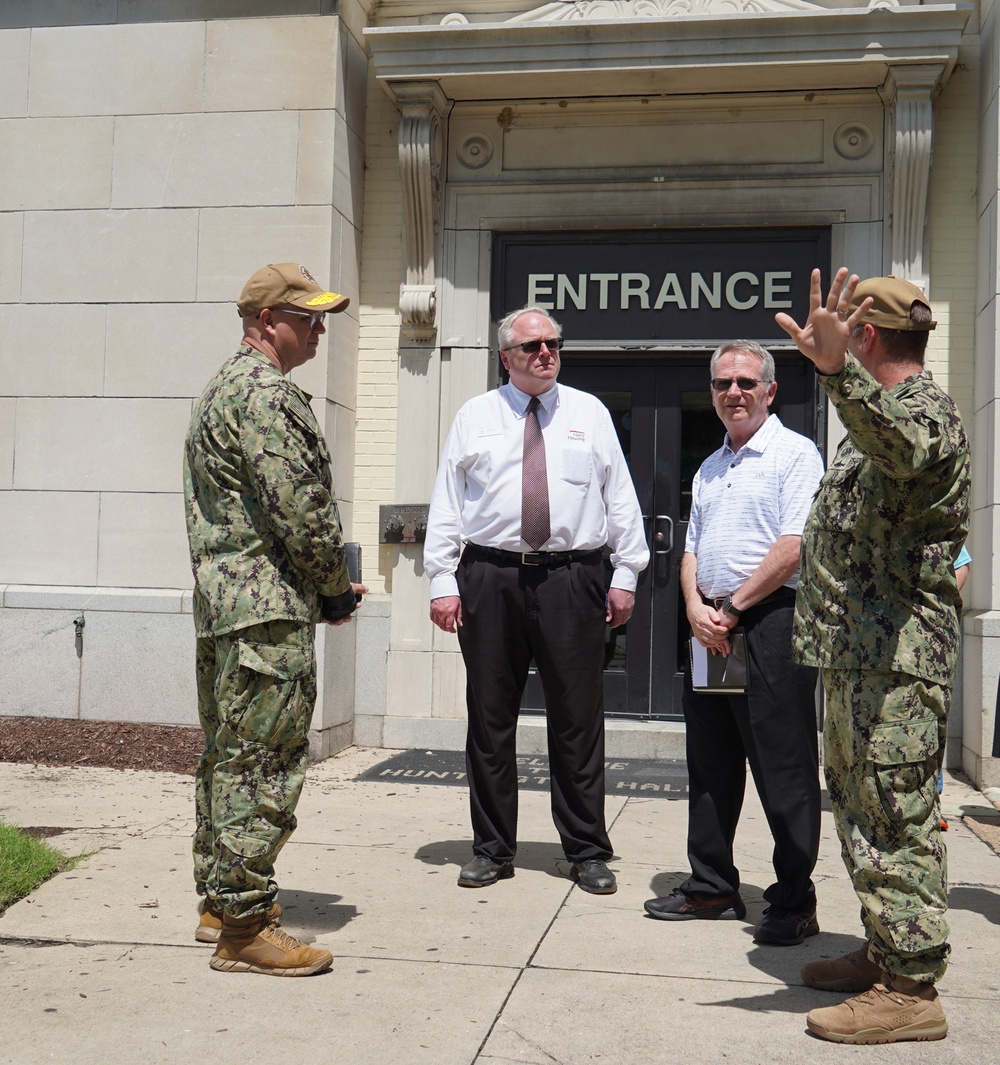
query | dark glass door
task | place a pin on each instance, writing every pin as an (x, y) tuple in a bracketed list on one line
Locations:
[(667, 426)]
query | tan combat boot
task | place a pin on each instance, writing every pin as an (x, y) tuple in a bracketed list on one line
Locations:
[(894, 1012), (210, 920), (251, 945), (852, 972)]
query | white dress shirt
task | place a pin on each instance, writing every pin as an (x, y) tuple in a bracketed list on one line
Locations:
[(477, 494), (743, 501)]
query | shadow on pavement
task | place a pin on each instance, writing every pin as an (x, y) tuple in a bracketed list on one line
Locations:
[(977, 900), (542, 857), (783, 963), (315, 911)]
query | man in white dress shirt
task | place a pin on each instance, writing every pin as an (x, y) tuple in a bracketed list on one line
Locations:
[(530, 584), (749, 504)]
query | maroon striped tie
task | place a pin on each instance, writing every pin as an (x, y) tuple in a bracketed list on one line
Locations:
[(534, 482)]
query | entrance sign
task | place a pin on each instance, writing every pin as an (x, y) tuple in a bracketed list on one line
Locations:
[(634, 288), (660, 286)]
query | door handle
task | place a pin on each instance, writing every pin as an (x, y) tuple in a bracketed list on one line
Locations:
[(662, 536)]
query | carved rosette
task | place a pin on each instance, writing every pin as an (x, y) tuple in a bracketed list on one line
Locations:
[(910, 90), (475, 151), (853, 140), (423, 109)]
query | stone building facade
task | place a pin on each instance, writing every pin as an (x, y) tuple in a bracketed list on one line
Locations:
[(662, 173)]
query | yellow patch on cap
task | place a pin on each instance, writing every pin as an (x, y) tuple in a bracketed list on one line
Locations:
[(324, 297)]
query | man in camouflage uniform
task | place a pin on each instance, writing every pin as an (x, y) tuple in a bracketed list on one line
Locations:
[(878, 610), (268, 561)]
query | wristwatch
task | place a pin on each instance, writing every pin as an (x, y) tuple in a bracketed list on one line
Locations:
[(728, 608)]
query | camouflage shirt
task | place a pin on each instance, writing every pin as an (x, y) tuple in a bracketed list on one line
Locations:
[(262, 519), (877, 589)]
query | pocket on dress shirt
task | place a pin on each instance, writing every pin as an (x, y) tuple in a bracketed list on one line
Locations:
[(480, 469), (577, 465)]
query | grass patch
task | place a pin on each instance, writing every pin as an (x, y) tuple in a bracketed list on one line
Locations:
[(26, 862)]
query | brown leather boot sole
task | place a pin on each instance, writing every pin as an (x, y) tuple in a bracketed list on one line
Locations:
[(221, 965)]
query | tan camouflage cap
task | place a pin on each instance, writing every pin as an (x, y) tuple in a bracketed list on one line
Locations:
[(893, 298), (278, 284)]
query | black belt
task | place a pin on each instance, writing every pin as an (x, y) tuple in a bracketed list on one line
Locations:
[(782, 595), (533, 558)]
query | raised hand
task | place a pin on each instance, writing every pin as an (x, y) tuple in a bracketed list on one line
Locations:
[(824, 337)]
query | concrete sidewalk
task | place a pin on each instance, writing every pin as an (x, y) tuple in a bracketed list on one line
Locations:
[(100, 964)]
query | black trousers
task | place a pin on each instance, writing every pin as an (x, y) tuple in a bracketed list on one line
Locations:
[(512, 613), (773, 727)]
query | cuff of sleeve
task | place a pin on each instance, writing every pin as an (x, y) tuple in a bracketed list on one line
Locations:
[(338, 607), (852, 382), (443, 584), (625, 579)]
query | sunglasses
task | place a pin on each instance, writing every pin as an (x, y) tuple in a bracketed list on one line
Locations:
[(315, 317), (744, 384), (533, 347)]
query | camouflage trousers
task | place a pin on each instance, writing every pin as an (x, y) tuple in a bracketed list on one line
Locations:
[(256, 693), (883, 740)]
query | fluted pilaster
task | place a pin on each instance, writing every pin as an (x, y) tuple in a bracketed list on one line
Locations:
[(423, 110), (910, 90)]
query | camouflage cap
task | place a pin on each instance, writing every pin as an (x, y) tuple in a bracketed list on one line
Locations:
[(894, 298), (287, 283)]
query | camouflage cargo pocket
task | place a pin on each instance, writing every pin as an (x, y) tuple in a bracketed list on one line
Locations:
[(905, 760), (281, 661), (273, 692), (243, 845)]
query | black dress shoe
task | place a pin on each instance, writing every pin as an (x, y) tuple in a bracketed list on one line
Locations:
[(483, 871), (593, 875), (786, 928), (679, 906)]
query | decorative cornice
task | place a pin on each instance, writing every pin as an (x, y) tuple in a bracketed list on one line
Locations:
[(910, 92), (574, 10), (423, 108), (791, 48), (603, 10)]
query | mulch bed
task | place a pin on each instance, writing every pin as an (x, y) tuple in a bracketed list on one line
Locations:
[(986, 828), (108, 744)]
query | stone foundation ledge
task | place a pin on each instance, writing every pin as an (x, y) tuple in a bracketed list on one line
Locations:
[(124, 600)]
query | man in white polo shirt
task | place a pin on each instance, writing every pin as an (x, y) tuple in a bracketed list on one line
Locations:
[(749, 504)]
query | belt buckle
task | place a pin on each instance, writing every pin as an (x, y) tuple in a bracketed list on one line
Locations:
[(718, 601), (531, 558)]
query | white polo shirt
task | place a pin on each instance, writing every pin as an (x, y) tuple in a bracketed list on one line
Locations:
[(743, 501)]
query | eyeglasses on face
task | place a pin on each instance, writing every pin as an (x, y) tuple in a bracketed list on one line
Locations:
[(315, 317), (744, 384), (533, 347)]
